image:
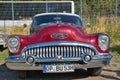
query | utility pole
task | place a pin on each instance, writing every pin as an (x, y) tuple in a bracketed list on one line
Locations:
[(116, 13), (46, 6), (81, 8), (13, 13)]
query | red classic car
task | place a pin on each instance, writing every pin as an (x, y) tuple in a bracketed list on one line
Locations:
[(57, 43)]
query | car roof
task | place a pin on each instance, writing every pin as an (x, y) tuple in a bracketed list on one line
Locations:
[(70, 14)]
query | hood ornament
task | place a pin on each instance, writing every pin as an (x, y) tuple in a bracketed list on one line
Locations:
[(58, 23), (59, 35)]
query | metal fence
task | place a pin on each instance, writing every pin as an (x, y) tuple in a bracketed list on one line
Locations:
[(23, 11), (100, 12), (96, 12)]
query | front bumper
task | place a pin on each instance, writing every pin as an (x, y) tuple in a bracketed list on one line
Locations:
[(17, 63)]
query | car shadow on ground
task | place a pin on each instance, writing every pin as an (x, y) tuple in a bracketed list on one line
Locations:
[(78, 74), (6, 74), (2, 48)]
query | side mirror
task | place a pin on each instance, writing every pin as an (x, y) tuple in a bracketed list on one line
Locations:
[(24, 25), (88, 24)]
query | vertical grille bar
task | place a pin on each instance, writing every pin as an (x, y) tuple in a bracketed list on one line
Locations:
[(77, 50), (74, 52), (32, 51), (67, 53), (53, 51), (49, 51), (70, 49), (58, 50), (62, 51), (40, 52), (46, 52), (37, 54)]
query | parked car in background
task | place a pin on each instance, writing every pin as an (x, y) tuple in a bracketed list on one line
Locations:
[(57, 43), (3, 38)]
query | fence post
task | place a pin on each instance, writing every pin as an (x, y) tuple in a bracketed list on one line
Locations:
[(46, 6), (13, 12), (4, 24), (116, 13), (81, 9)]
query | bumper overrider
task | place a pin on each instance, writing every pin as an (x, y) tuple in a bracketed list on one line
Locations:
[(32, 62)]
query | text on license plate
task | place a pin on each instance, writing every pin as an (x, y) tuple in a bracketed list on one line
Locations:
[(58, 68)]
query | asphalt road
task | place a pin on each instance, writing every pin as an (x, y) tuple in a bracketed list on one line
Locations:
[(109, 73)]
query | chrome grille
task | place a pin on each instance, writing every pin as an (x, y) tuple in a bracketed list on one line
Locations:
[(53, 51)]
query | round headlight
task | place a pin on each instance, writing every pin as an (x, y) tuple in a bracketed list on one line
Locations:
[(13, 44), (103, 41)]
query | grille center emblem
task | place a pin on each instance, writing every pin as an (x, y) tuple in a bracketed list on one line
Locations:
[(59, 35), (58, 58)]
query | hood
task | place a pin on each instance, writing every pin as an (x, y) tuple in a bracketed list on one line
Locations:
[(58, 32)]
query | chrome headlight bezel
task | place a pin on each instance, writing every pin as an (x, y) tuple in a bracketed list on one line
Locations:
[(103, 42), (13, 44)]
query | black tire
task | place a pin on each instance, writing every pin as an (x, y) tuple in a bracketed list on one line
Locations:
[(23, 74), (94, 71)]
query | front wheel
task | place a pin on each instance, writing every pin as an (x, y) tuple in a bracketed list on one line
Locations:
[(94, 71)]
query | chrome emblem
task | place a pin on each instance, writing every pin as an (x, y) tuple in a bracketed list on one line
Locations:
[(58, 58), (59, 36)]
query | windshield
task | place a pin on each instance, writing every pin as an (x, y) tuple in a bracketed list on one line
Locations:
[(47, 19)]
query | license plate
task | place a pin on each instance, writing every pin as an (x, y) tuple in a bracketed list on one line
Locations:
[(57, 68)]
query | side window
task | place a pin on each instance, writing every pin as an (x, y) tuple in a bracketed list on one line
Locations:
[(79, 22), (34, 23)]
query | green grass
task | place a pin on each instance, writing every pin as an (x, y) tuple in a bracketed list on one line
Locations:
[(3, 56)]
